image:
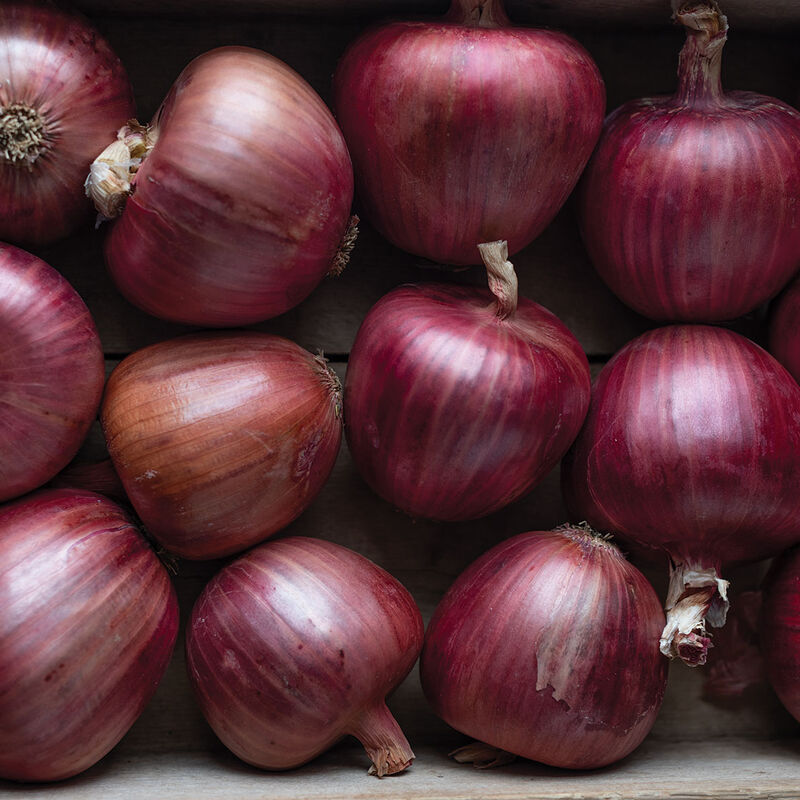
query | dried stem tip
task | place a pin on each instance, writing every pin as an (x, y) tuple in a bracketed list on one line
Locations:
[(501, 275)]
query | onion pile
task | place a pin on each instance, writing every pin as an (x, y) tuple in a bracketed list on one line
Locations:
[(295, 645), (547, 647), (466, 130), (457, 399), (692, 447), (688, 205), (63, 95), (88, 625)]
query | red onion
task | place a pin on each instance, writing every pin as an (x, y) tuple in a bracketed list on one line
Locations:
[(780, 629), (466, 129), (51, 371), (88, 626), (457, 399), (295, 645), (221, 439), (63, 94), (784, 329), (547, 647), (688, 206), (241, 193), (691, 446)]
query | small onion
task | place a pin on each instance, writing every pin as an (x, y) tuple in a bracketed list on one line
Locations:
[(547, 647), (692, 447), (51, 371), (784, 329), (63, 94), (240, 193), (221, 439), (688, 206), (466, 129), (295, 645), (89, 622), (459, 400)]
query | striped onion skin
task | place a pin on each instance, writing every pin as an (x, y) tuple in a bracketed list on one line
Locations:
[(221, 439), (451, 412), (89, 622), (51, 372), (691, 446), (784, 329), (547, 647), (690, 205), (466, 130), (295, 645)]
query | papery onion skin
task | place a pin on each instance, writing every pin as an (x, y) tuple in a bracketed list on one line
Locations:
[(466, 131), (240, 208), (295, 645), (89, 622), (51, 372), (221, 439), (547, 647), (784, 329), (57, 65), (688, 206)]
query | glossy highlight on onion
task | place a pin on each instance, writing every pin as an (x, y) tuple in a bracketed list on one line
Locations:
[(89, 622), (466, 129), (688, 206), (295, 645), (51, 371), (547, 647), (692, 448)]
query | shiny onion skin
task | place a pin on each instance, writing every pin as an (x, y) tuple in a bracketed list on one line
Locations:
[(89, 622), (51, 371), (457, 400), (63, 95), (784, 329), (692, 447), (466, 129), (295, 645), (547, 647), (221, 439), (243, 198), (780, 629), (688, 206)]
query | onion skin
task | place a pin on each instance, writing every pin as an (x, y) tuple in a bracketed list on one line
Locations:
[(89, 622), (59, 66), (691, 446), (784, 329), (586, 685), (51, 371), (295, 645), (465, 131), (240, 207), (221, 439), (688, 206)]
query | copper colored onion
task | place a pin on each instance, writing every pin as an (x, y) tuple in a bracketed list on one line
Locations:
[(547, 647), (88, 625), (221, 439)]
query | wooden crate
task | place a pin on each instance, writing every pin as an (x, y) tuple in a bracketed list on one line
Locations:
[(697, 748)]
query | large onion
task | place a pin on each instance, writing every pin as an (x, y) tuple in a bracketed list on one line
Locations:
[(88, 625), (295, 645), (466, 129), (547, 647), (51, 371), (691, 446), (458, 400)]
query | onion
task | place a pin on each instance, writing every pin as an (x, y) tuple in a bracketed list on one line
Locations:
[(459, 400), (295, 645), (63, 94), (691, 446), (51, 371), (547, 647), (688, 207), (466, 129), (240, 194), (221, 439), (89, 622), (784, 329)]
